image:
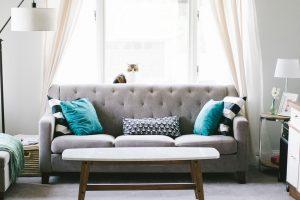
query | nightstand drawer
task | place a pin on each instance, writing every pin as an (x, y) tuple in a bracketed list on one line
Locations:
[(295, 118), (292, 171), (294, 143)]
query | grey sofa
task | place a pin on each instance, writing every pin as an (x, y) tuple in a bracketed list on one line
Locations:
[(4, 173), (113, 102)]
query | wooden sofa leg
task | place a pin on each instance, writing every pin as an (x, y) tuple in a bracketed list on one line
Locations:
[(1, 195), (241, 177), (45, 178)]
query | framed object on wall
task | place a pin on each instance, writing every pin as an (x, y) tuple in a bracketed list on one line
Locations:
[(284, 108)]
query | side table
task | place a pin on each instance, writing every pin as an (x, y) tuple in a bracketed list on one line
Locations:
[(268, 117), (31, 154)]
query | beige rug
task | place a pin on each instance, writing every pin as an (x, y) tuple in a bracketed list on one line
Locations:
[(260, 186)]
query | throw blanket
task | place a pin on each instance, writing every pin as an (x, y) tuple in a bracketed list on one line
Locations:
[(15, 148)]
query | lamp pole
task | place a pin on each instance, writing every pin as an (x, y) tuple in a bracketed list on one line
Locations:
[(286, 85), (1, 73)]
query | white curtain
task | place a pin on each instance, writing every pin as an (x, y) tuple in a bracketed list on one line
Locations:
[(55, 43), (238, 30)]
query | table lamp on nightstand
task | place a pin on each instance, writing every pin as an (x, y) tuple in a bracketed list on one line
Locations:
[(287, 68)]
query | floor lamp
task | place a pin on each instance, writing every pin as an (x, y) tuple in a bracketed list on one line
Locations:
[(26, 19)]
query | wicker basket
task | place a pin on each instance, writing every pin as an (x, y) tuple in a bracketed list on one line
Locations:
[(31, 155)]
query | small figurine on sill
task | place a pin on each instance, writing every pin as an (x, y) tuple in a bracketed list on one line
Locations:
[(132, 69), (120, 79)]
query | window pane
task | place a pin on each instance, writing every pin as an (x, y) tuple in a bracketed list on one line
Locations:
[(79, 62), (213, 65), (151, 33)]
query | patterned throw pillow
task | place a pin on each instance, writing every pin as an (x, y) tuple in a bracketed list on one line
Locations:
[(61, 124), (232, 106), (168, 126)]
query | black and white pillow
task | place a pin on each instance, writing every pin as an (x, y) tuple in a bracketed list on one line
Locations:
[(168, 126), (232, 106), (61, 124)]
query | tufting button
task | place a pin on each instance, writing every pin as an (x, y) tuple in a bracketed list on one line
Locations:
[(171, 90), (190, 91), (113, 90), (151, 90), (94, 90), (132, 90)]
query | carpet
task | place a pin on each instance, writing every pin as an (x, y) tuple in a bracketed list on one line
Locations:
[(260, 186)]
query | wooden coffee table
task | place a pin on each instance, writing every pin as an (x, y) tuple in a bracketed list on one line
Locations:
[(141, 155)]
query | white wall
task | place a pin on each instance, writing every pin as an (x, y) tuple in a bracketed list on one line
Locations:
[(279, 28), (22, 58)]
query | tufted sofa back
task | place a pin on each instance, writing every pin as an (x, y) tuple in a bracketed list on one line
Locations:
[(115, 101)]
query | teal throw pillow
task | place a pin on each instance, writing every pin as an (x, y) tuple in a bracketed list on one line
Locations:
[(209, 118), (81, 117)]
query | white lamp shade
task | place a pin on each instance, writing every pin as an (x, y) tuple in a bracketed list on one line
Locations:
[(287, 68), (33, 19)]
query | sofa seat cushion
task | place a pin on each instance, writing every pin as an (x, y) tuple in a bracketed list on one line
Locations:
[(61, 143), (224, 144), (144, 141), (4, 158)]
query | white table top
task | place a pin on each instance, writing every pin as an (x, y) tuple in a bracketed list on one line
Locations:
[(141, 154)]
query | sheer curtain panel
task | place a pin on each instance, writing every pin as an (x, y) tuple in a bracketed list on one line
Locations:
[(238, 29), (54, 44)]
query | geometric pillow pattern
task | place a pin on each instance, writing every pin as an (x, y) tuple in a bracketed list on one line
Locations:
[(61, 124), (168, 126), (232, 106)]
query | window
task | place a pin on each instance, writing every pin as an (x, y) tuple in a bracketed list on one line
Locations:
[(211, 61), (154, 34), (165, 38), (79, 62)]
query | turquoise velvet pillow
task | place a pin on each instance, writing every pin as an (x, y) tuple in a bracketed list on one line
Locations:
[(81, 117), (209, 118)]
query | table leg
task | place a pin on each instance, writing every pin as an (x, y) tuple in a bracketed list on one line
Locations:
[(193, 177), (259, 143), (197, 173), (84, 176)]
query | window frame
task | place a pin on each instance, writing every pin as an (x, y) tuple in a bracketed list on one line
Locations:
[(193, 26)]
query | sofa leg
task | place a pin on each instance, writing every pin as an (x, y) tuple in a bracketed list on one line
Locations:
[(241, 177), (1, 195), (45, 178)]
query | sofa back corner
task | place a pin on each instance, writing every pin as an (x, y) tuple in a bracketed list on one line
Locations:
[(113, 102)]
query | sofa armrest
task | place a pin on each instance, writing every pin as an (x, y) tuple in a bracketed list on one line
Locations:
[(46, 131), (240, 129), (241, 133), (4, 171), (4, 158)]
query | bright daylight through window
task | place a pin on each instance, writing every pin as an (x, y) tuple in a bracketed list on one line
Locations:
[(154, 34)]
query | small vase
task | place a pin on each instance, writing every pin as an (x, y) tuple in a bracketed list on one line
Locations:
[(272, 108)]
